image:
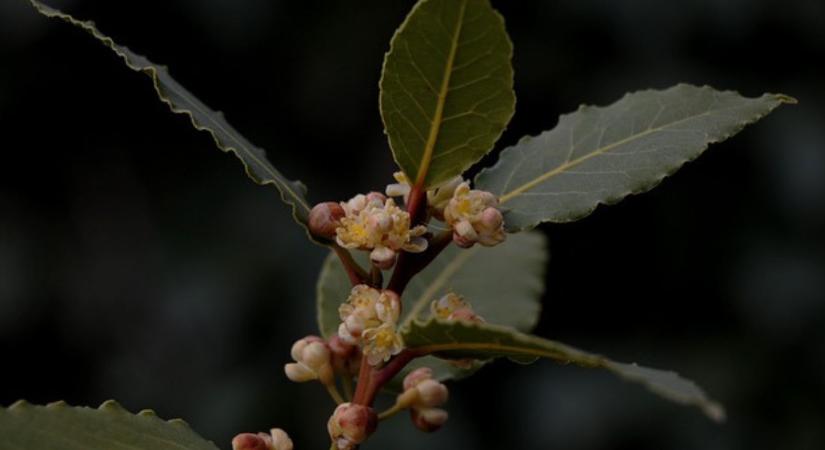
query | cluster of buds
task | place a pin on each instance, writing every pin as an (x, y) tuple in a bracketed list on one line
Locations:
[(368, 319), (423, 395), (454, 307), (312, 361), (437, 198), (474, 217), (370, 222), (351, 425), (277, 439)]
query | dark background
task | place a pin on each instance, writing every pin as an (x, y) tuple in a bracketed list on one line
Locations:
[(137, 262)]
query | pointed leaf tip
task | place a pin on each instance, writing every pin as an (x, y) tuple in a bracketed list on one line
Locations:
[(181, 101)]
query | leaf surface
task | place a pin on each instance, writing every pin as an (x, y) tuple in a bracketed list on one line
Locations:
[(181, 101), (458, 340), (446, 88), (602, 154), (59, 426), (504, 284)]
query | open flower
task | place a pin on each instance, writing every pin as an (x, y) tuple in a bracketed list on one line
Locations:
[(381, 343), (366, 308), (382, 228), (474, 217)]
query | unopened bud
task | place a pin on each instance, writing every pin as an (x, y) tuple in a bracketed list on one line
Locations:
[(431, 393), (351, 424), (312, 361), (429, 419), (280, 440), (325, 218), (383, 258), (376, 198), (465, 315), (417, 376), (250, 441)]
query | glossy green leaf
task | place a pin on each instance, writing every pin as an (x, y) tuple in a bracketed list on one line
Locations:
[(602, 154), (181, 101), (59, 426), (504, 284), (483, 341), (446, 88)]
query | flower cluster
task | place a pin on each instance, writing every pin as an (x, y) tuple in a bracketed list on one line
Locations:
[(374, 222), (474, 217), (423, 395), (368, 319), (277, 439), (312, 361), (350, 425)]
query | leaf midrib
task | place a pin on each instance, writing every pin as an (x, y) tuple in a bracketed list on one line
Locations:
[(583, 360), (599, 151), (435, 125)]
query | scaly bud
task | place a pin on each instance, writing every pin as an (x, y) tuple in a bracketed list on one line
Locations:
[(351, 425), (325, 218)]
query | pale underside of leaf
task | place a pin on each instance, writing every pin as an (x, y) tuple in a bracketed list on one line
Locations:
[(483, 341), (599, 155), (59, 426), (503, 284), (446, 88), (181, 101)]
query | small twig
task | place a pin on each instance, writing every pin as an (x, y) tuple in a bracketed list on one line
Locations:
[(357, 275), (333, 392), (395, 409), (376, 277), (409, 264)]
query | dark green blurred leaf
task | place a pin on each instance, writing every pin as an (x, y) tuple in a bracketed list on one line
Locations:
[(59, 426)]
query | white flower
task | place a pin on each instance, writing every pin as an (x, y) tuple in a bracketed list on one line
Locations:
[(312, 361), (381, 343), (382, 228), (366, 308), (474, 217)]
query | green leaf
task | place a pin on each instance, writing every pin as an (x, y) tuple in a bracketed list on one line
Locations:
[(602, 154), (181, 101), (59, 426), (504, 284), (483, 341), (446, 88)]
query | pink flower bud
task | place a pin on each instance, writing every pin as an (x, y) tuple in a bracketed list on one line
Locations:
[(249, 441), (383, 258), (417, 376), (465, 315), (376, 198), (429, 419), (491, 219), (325, 218), (431, 393), (351, 424)]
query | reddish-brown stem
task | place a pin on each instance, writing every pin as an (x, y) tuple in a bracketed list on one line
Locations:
[(357, 275), (380, 377), (417, 204), (363, 382), (410, 264)]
